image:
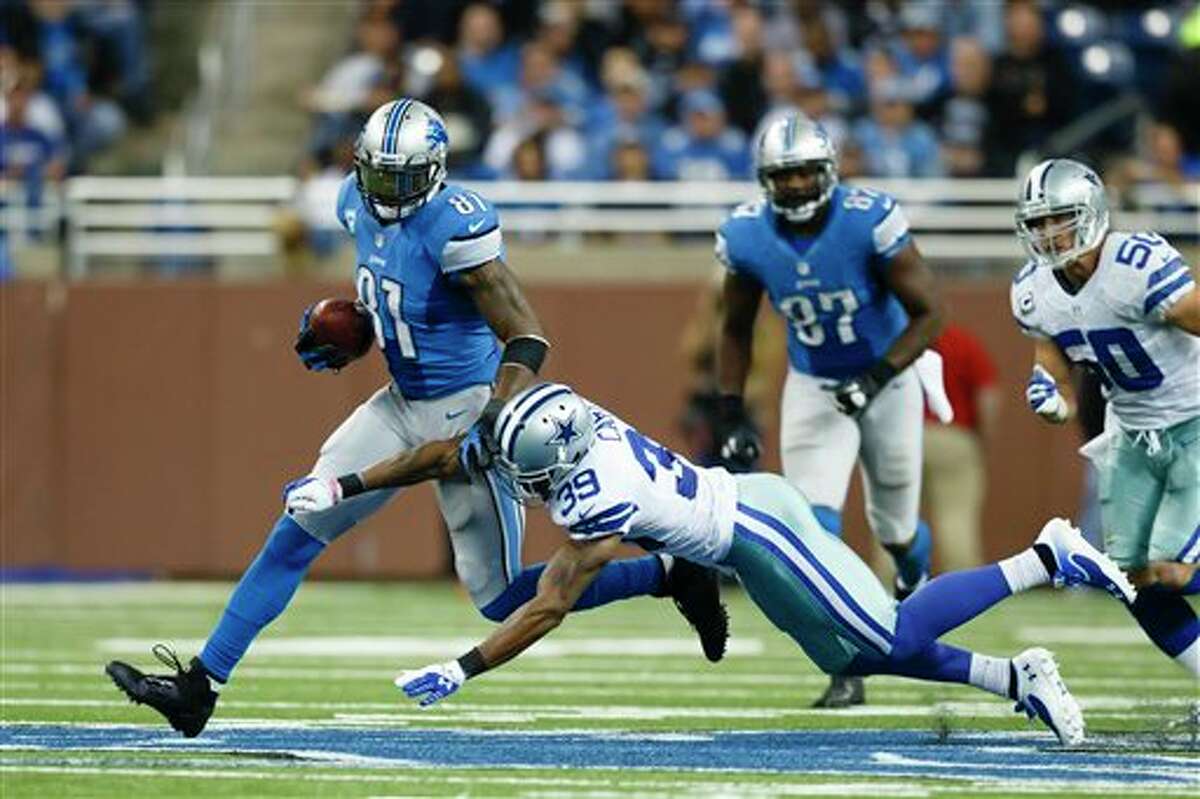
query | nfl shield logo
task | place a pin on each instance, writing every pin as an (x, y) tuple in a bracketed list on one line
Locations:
[(802, 268)]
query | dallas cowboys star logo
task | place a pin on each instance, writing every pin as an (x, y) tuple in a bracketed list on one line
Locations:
[(565, 431)]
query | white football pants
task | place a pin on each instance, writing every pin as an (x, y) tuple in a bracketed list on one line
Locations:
[(487, 526), (819, 445)]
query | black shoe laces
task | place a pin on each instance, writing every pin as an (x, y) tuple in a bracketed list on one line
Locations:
[(166, 655)]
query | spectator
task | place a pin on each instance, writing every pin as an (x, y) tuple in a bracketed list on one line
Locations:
[(629, 161), (894, 144), (29, 153), (467, 114), (623, 114), (489, 63), (839, 70), (541, 76), (954, 476), (565, 152), (1030, 95), (740, 81), (922, 58), (703, 147), (965, 114)]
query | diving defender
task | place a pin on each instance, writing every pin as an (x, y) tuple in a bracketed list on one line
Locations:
[(605, 483)]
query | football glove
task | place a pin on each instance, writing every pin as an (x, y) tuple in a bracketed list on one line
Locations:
[(432, 683), (311, 494), (736, 434), (1043, 396), (317, 357), (479, 448), (852, 396)]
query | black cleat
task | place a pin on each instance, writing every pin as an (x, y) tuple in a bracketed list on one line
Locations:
[(842, 692), (696, 592), (184, 698), (902, 591)]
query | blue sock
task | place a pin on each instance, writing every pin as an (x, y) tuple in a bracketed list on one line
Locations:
[(263, 593), (946, 602), (620, 579), (829, 518), (1167, 618), (935, 661), (913, 563)]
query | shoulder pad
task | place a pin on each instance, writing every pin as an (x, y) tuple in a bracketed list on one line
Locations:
[(348, 203), (465, 230)]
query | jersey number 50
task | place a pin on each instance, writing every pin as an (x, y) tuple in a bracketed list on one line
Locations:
[(1132, 371), (393, 299)]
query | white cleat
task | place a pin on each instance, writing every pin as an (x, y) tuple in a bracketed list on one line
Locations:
[(1042, 693), (1080, 563)]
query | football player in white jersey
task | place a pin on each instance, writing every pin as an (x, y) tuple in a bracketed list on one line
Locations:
[(606, 483), (1126, 306)]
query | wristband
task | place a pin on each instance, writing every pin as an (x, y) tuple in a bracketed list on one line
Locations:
[(472, 663), (351, 484), (529, 351), (882, 371)]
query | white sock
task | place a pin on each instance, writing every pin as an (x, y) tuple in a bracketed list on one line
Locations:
[(990, 673), (667, 562), (1190, 658), (1023, 571)]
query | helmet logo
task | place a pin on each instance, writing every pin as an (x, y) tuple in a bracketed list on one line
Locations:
[(435, 133), (565, 431)]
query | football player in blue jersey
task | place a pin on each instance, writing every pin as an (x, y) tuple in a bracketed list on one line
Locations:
[(459, 338), (605, 483), (838, 264)]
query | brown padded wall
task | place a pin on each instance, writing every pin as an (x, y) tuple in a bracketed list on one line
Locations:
[(151, 426)]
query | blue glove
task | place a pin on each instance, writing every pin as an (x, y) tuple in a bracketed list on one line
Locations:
[(1043, 396), (316, 357), (479, 448), (432, 683)]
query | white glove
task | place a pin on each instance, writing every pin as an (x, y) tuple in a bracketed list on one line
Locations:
[(311, 494), (1042, 395), (432, 683)]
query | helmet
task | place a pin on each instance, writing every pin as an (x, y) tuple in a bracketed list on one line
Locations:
[(1061, 187), (542, 433), (793, 140), (400, 158)]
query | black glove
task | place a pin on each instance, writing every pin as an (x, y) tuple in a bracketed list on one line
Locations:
[(737, 440), (855, 394), (479, 449)]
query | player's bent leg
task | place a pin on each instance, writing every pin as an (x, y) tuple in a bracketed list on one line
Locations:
[(1170, 622), (806, 581), (818, 446), (892, 441)]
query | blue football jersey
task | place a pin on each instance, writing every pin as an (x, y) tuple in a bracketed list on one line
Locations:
[(829, 288), (434, 338)]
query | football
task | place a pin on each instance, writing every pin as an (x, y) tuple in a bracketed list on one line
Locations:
[(344, 324)]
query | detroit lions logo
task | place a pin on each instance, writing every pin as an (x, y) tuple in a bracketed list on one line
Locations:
[(435, 134)]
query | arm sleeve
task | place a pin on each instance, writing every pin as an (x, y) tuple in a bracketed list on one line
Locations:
[(612, 520), (472, 236), (890, 234), (1168, 280)]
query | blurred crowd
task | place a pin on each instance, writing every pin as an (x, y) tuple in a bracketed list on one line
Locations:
[(74, 76), (675, 89)]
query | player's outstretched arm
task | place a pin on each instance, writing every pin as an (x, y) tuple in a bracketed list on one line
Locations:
[(568, 574), (437, 460), (911, 280), (1185, 313)]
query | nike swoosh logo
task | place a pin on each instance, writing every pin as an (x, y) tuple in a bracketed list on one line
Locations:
[(471, 228), (455, 414)]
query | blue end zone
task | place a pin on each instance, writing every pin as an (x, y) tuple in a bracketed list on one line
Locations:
[(874, 753)]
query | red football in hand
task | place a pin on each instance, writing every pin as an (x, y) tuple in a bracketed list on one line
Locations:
[(344, 324)]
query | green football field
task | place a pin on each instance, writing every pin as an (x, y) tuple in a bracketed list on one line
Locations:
[(617, 702)]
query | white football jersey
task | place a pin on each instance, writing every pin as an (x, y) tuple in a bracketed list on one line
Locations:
[(1115, 323), (631, 486)]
